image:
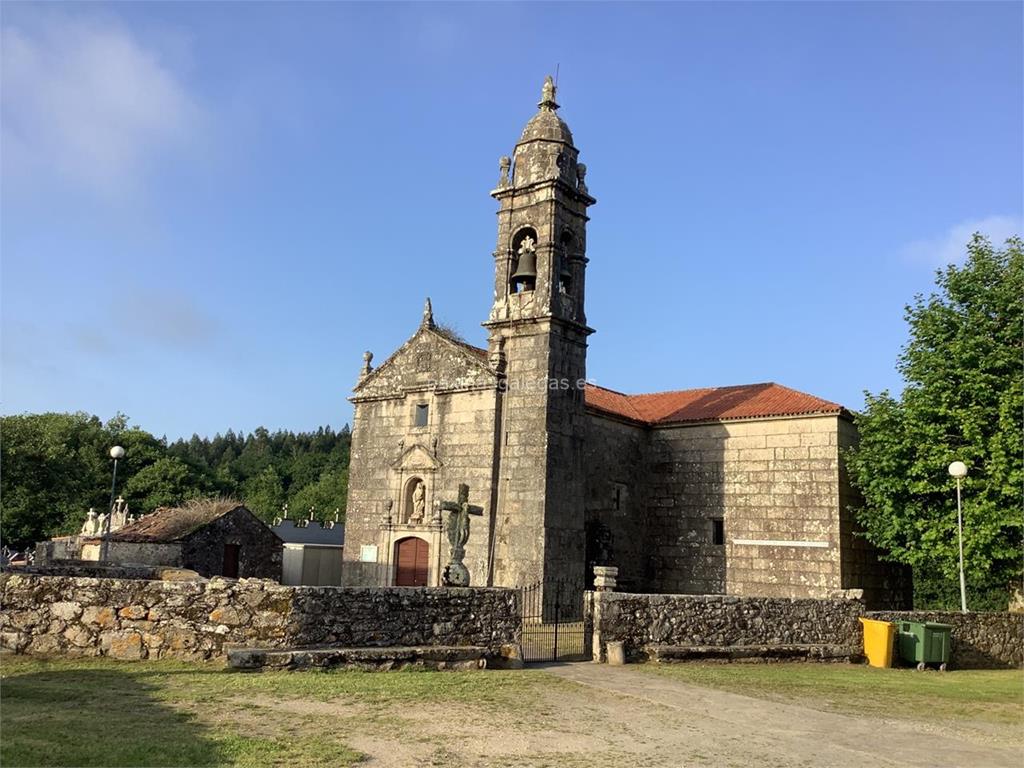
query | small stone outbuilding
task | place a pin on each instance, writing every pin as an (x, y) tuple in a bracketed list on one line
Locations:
[(211, 537)]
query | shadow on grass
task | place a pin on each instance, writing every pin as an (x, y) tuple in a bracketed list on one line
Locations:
[(98, 717)]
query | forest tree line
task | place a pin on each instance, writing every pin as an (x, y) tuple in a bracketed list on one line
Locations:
[(57, 465)]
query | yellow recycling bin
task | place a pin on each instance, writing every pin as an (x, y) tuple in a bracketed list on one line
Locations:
[(878, 642)]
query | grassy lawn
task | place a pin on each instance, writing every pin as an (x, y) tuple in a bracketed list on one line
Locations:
[(995, 696), (98, 712), (93, 712)]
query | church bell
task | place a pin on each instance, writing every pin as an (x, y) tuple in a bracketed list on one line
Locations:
[(526, 270)]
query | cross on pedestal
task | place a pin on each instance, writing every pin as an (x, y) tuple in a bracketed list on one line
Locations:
[(456, 574)]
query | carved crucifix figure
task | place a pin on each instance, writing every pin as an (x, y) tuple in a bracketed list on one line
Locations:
[(456, 574)]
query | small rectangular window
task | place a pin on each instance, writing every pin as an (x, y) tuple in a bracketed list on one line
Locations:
[(717, 531), (422, 412)]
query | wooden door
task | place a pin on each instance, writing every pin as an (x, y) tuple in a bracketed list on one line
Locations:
[(412, 563), (230, 568)]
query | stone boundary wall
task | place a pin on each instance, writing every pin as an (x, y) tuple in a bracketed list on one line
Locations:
[(92, 568), (639, 620), (137, 619), (979, 640)]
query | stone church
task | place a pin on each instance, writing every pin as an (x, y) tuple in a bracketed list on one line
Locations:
[(737, 490)]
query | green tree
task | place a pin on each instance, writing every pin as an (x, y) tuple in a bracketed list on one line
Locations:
[(963, 399), (264, 494), (53, 471), (165, 483), (327, 494)]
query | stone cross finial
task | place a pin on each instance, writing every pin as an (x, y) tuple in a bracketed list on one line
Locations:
[(456, 574), (527, 246), (428, 314), (91, 526), (547, 95)]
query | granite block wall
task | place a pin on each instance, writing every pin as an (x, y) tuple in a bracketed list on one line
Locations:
[(769, 480), (616, 530), (390, 452)]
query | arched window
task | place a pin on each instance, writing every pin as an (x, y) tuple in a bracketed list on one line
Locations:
[(524, 261)]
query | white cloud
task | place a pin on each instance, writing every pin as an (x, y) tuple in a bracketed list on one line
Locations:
[(85, 100), (950, 248)]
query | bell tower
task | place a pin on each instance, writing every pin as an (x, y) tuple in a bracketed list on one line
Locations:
[(538, 341)]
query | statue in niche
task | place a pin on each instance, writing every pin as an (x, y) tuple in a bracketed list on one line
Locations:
[(419, 503)]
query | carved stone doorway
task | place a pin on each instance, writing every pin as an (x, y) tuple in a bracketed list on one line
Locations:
[(412, 562)]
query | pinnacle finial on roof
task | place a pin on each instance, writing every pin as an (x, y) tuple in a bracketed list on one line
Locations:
[(428, 314), (547, 95)]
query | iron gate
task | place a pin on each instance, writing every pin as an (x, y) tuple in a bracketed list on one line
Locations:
[(555, 627)]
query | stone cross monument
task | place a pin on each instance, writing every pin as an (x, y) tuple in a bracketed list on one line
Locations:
[(456, 574)]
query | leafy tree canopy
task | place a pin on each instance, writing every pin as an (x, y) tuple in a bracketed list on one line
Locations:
[(963, 400), (56, 466)]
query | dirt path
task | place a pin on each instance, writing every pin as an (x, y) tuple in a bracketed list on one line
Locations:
[(622, 717), (739, 729)]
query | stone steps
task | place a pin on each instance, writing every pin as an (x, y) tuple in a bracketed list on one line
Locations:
[(367, 659), (753, 653)]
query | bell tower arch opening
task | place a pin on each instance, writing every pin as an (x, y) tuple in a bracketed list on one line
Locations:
[(524, 261)]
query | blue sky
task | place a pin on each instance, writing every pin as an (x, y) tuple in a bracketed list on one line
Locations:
[(210, 210)]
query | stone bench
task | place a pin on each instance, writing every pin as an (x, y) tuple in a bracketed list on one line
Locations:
[(753, 653), (367, 659)]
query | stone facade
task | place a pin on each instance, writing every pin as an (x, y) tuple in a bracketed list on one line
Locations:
[(259, 548), (736, 490), (450, 388), (135, 619), (777, 487)]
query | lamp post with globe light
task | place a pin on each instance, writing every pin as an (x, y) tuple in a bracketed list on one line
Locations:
[(116, 453), (959, 470)]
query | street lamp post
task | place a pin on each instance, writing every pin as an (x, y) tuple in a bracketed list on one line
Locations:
[(959, 470), (116, 453)]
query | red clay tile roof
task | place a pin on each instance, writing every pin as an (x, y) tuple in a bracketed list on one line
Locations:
[(746, 401)]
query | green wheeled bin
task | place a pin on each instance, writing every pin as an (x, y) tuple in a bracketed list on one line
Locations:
[(924, 642)]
